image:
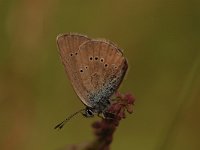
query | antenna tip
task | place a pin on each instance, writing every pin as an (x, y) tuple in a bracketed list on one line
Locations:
[(59, 126)]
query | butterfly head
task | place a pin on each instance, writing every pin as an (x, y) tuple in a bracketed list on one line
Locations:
[(88, 112)]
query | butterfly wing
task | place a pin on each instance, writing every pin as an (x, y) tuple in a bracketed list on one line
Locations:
[(102, 67), (68, 45)]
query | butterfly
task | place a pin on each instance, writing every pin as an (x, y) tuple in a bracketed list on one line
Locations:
[(95, 68)]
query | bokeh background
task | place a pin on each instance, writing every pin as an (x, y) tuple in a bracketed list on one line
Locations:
[(161, 40)]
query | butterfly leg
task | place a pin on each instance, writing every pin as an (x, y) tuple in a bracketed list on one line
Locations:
[(101, 115), (109, 116)]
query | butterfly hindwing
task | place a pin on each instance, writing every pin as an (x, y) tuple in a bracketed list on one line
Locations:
[(103, 68)]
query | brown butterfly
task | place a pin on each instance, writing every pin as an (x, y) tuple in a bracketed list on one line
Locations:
[(95, 68)]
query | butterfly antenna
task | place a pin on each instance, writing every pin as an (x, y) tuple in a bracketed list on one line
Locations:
[(60, 125)]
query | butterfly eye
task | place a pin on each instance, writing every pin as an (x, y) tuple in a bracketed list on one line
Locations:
[(89, 112)]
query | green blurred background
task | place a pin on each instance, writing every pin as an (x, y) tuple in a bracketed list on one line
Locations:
[(161, 40)]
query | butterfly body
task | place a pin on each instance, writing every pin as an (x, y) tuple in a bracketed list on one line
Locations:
[(95, 68)]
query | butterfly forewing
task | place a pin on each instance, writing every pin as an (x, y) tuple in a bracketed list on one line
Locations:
[(68, 45)]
